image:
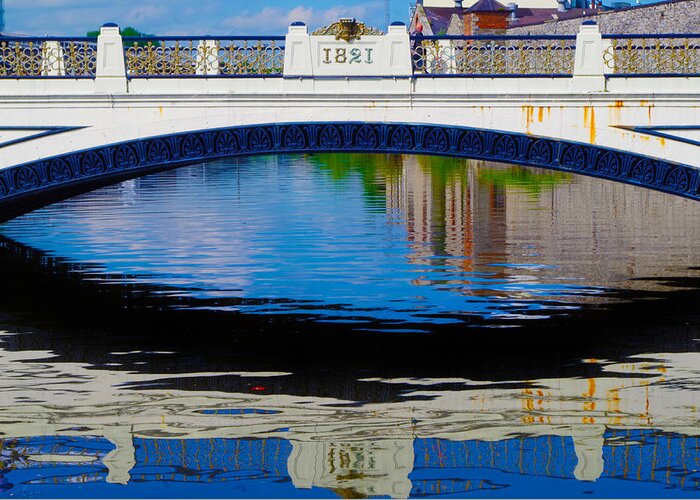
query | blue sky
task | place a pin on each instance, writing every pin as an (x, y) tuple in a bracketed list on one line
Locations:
[(175, 17)]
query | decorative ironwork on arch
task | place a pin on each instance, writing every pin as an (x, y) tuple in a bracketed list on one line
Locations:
[(106, 164)]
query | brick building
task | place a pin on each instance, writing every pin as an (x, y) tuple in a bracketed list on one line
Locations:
[(486, 17)]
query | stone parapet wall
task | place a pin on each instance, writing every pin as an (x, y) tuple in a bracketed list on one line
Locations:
[(679, 16)]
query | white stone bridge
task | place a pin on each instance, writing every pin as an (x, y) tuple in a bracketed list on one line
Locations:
[(77, 113)]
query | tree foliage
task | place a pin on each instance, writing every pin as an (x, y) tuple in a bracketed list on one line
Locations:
[(129, 31)]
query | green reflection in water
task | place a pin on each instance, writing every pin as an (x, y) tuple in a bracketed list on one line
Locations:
[(377, 171), (532, 181), (374, 172)]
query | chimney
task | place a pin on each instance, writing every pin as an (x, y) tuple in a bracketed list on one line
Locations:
[(512, 7)]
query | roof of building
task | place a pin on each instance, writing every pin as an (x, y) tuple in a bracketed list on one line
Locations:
[(439, 17), (487, 6), (526, 17)]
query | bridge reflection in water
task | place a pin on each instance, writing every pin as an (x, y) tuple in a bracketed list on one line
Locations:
[(435, 466), (95, 413), (639, 430)]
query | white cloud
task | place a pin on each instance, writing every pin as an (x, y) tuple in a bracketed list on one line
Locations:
[(275, 19), (147, 13)]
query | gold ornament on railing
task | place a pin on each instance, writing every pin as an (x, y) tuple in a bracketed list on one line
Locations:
[(200, 57), (48, 57), (653, 55), (80, 58), (494, 57)]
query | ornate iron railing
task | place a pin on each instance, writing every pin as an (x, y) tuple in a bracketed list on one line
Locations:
[(23, 57), (663, 55), (241, 56), (205, 56), (493, 56)]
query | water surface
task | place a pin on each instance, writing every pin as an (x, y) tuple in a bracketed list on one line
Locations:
[(352, 326)]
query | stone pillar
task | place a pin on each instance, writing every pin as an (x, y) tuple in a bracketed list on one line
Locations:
[(297, 52), (110, 69), (208, 58), (589, 67), (52, 61), (324, 55), (399, 46)]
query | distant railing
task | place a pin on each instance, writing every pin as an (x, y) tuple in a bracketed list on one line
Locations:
[(204, 56), (24, 57), (660, 55), (493, 55)]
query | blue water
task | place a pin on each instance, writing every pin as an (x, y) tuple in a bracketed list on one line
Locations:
[(363, 243), (340, 238)]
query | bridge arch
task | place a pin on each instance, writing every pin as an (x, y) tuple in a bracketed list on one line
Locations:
[(32, 185)]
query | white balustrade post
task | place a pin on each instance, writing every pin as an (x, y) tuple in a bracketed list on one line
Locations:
[(589, 65), (208, 58), (431, 58), (52, 62), (297, 52), (451, 56), (399, 50), (110, 69)]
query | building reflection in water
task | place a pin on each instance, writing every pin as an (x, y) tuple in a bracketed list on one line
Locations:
[(637, 421), (449, 216), (544, 225)]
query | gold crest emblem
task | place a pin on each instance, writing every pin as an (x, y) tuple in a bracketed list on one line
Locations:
[(347, 29)]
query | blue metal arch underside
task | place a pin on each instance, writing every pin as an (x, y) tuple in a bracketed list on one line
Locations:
[(84, 170)]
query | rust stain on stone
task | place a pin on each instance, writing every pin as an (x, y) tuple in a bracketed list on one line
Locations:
[(529, 115), (615, 112), (649, 106), (589, 122)]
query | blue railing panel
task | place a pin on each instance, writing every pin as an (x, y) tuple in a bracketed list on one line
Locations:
[(27, 57), (652, 55), (493, 55), (208, 56)]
